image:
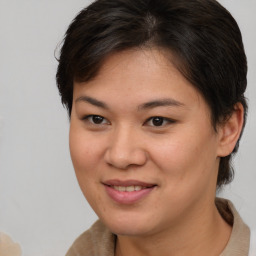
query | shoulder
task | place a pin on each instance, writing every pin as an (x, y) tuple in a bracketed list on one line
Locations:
[(239, 241), (98, 240)]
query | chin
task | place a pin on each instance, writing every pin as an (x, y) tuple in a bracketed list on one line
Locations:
[(129, 225), (128, 230)]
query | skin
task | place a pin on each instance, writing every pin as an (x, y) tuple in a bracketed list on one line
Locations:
[(181, 156)]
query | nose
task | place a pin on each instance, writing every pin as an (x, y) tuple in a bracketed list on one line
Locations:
[(126, 149)]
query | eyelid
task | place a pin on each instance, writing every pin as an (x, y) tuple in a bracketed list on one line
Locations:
[(87, 118), (167, 121)]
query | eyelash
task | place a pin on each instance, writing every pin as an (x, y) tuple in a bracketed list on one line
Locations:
[(164, 120), (89, 118)]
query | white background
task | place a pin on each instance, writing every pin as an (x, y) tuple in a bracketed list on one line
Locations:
[(41, 205)]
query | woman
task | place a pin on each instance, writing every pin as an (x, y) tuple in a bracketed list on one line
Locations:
[(155, 94)]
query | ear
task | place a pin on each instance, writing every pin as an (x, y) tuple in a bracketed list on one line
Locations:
[(229, 132)]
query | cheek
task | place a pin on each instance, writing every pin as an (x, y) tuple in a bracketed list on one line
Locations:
[(188, 171), (187, 159), (85, 157), (84, 149)]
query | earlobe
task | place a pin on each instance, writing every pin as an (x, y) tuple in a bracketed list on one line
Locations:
[(230, 131)]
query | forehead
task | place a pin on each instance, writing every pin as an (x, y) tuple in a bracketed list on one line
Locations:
[(136, 76), (139, 64)]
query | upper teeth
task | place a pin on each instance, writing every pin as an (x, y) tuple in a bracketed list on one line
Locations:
[(128, 189)]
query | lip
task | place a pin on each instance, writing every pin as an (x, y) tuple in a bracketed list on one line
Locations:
[(124, 197), (127, 183)]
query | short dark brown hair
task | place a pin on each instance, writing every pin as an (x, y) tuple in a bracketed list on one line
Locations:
[(202, 35)]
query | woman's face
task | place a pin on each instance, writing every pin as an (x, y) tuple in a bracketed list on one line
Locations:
[(142, 144)]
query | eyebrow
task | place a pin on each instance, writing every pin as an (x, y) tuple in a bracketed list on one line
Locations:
[(92, 101), (148, 105), (160, 103)]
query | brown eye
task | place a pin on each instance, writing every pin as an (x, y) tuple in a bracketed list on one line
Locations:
[(97, 119), (157, 121)]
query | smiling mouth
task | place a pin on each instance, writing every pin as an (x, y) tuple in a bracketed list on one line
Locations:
[(128, 192), (128, 185), (128, 189)]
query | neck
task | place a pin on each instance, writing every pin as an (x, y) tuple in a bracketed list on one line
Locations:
[(203, 233)]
